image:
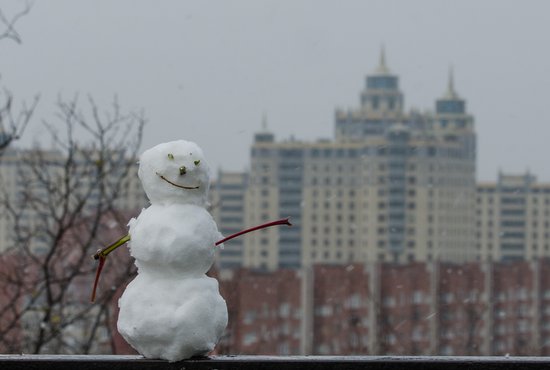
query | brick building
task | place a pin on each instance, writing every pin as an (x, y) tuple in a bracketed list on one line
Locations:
[(405, 309), (474, 308), (461, 319), (341, 309), (264, 312)]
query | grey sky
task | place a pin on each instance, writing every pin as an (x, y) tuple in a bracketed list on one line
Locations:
[(207, 70)]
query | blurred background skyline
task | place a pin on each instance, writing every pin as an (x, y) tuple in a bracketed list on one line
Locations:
[(208, 71)]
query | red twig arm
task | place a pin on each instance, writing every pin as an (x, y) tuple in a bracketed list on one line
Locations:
[(102, 260), (283, 221)]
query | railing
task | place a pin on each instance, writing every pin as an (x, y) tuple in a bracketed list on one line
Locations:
[(82, 362)]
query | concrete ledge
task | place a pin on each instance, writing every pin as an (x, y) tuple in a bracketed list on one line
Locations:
[(45, 362)]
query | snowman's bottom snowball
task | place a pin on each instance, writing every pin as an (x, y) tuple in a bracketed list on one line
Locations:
[(172, 319)]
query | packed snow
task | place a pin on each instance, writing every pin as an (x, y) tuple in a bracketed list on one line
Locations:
[(172, 310)]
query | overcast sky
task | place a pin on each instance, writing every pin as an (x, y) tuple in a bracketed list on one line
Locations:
[(206, 71)]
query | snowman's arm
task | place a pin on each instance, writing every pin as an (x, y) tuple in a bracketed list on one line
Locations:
[(102, 253), (283, 221)]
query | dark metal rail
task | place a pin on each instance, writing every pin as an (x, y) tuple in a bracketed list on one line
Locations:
[(47, 362)]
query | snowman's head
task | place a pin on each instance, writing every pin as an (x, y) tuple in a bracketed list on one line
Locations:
[(175, 172)]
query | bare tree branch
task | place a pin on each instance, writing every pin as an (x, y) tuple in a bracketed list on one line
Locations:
[(71, 200), (7, 25), (13, 122)]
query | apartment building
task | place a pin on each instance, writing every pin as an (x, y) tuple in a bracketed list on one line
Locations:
[(391, 186), (513, 218), (227, 207), (418, 308)]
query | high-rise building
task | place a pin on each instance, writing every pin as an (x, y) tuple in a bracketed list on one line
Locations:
[(392, 185), (513, 218), (227, 207)]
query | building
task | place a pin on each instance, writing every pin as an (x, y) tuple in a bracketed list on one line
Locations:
[(342, 310), (32, 203), (391, 186), (513, 218), (265, 310), (419, 308), (227, 207)]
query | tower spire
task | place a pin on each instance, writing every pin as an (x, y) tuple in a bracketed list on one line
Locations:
[(382, 67), (451, 93), (451, 79), (450, 102), (264, 136), (264, 121), (382, 57)]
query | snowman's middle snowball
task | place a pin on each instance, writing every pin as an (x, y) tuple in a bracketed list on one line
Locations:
[(176, 237)]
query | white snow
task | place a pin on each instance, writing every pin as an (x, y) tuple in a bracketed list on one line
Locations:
[(175, 237), (172, 319), (155, 162), (172, 310)]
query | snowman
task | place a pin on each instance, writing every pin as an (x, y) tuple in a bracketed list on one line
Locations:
[(172, 310)]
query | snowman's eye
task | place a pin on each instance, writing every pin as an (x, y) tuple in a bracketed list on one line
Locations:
[(183, 170), (170, 156), (197, 162)]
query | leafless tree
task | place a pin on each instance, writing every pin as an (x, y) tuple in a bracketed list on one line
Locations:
[(7, 24), (65, 203), (13, 121)]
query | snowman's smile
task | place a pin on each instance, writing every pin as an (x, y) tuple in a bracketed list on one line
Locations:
[(176, 185)]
